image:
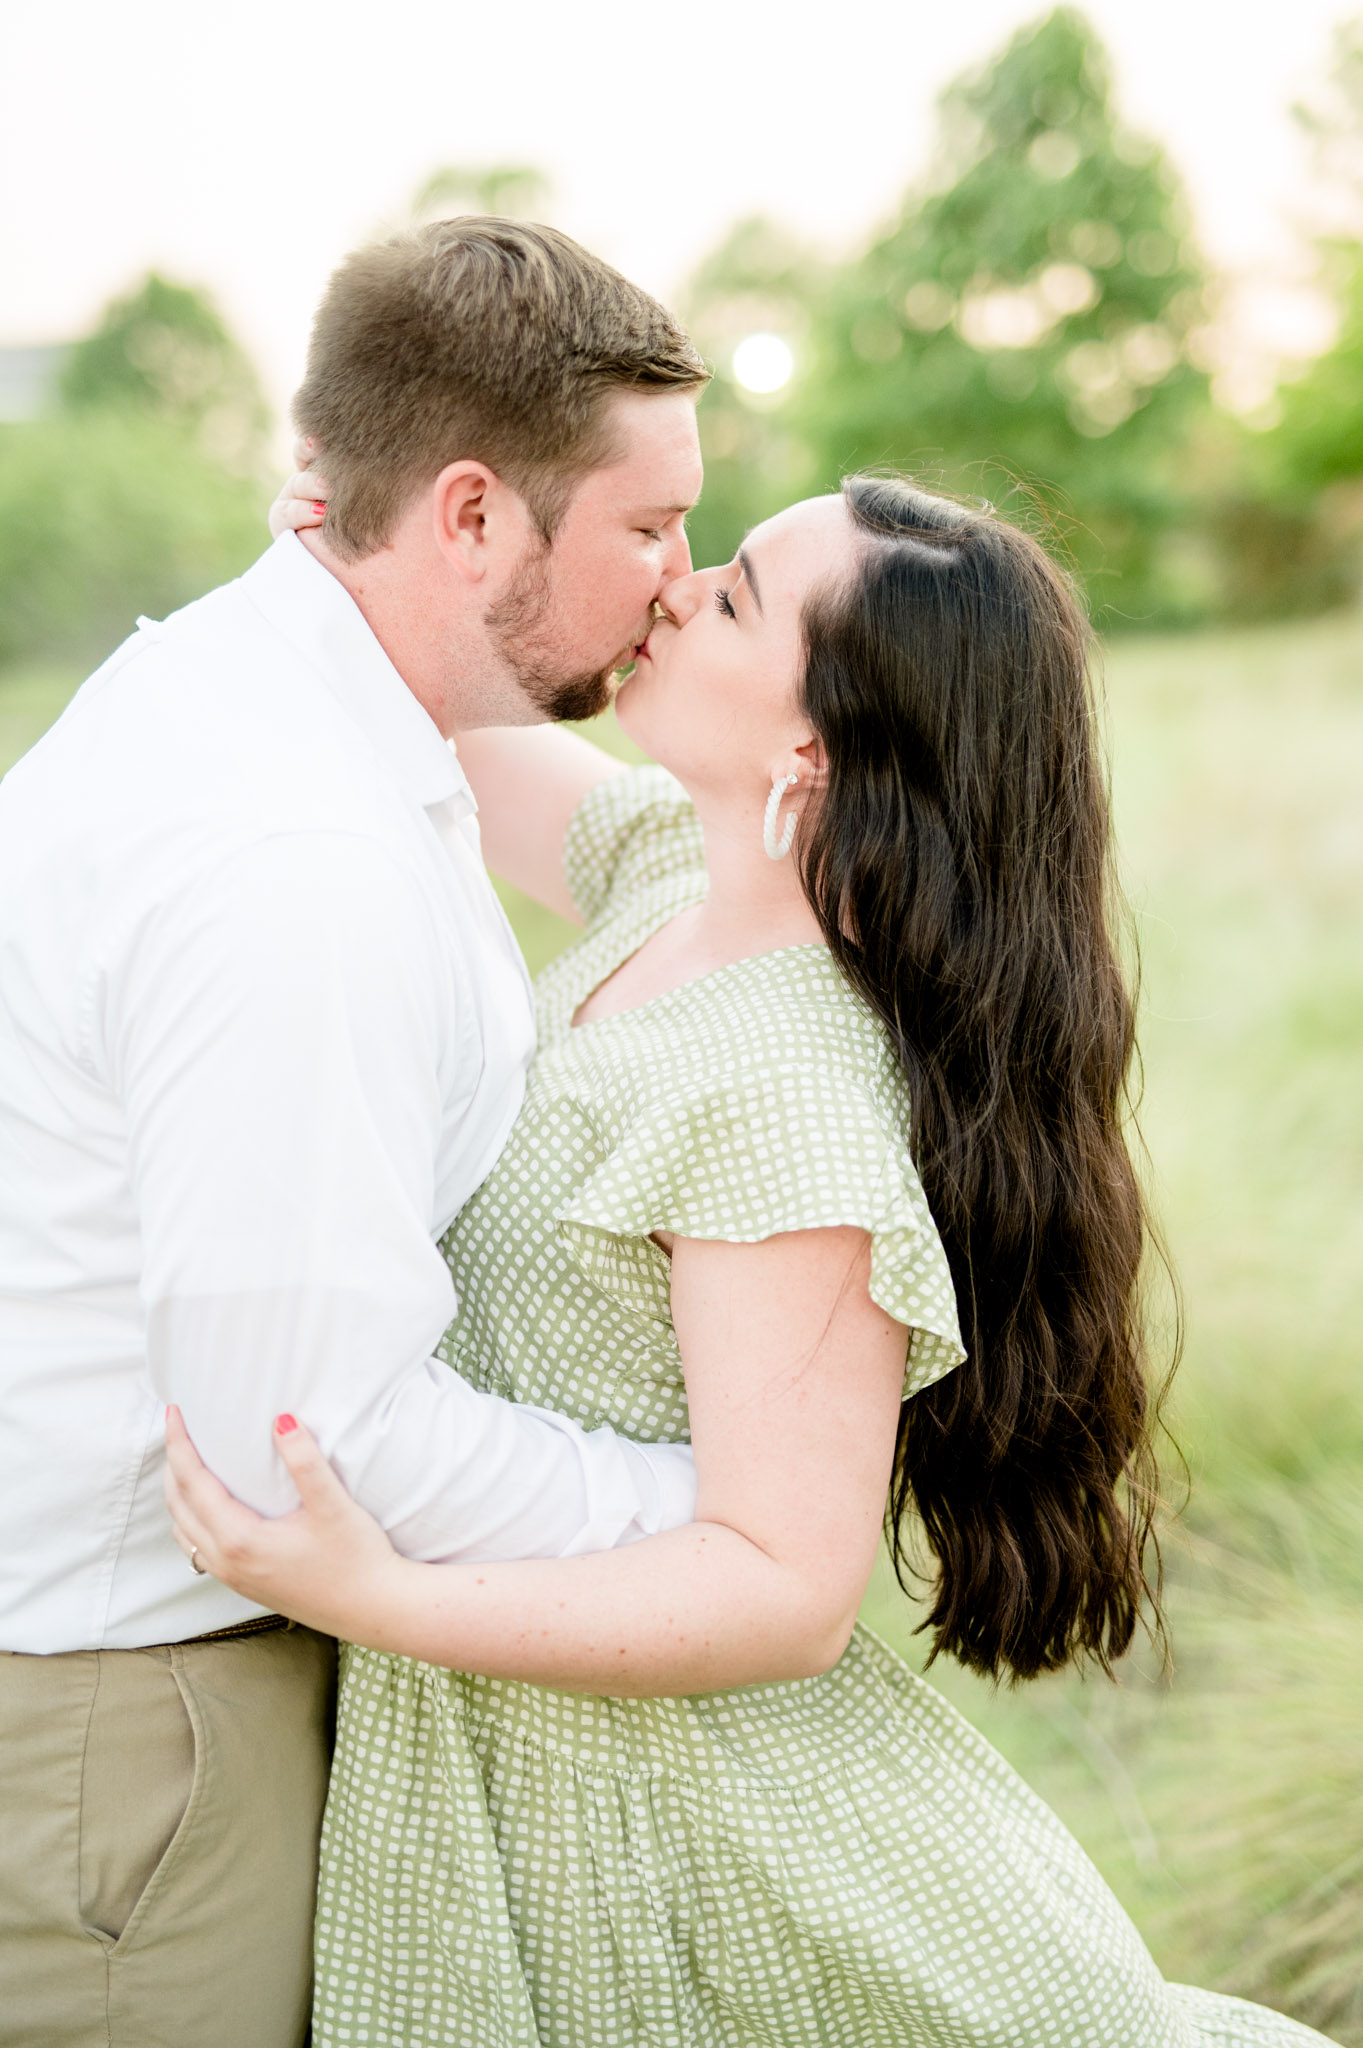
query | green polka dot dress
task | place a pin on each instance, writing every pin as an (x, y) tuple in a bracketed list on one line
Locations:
[(840, 1862)]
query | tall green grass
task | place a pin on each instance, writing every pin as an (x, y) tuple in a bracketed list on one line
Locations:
[(1223, 1799)]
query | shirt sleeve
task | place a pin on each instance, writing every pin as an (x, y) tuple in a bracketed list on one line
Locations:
[(281, 1035)]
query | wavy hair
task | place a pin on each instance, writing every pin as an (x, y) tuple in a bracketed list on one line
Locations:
[(960, 868)]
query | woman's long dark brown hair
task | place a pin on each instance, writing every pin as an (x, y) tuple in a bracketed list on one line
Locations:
[(960, 867)]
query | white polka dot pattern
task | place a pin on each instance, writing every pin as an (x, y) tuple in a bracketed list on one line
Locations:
[(838, 1863)]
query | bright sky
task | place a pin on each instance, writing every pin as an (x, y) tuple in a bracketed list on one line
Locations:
[(246, 147)]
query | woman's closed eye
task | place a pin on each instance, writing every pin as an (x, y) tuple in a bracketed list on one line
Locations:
[(723, 604)]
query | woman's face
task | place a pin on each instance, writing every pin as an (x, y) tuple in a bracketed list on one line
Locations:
[(713, 693)]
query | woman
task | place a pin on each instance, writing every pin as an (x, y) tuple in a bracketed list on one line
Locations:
[(822, 1160)]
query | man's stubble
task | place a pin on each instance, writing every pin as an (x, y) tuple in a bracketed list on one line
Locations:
[(518, 629)]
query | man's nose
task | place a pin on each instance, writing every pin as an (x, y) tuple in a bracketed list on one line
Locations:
[(677, 560)]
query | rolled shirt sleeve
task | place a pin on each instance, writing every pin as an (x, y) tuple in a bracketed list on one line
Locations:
[(285, 1036)]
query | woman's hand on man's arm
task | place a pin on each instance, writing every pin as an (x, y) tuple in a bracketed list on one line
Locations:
[(328, 1563), (794, 1377)]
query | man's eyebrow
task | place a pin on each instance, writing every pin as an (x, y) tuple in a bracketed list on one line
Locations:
[(665, 511), (745, 564)]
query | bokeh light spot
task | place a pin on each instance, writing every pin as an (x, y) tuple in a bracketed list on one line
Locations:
[(763, 362)]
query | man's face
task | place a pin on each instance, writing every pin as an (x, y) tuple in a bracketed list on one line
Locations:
[(580, 608)]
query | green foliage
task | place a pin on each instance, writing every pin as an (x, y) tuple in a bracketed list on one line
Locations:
[(758, 281), (1021, 330), (1332, 119), (1317, 448), (106, 514), (1290, 526), (1319, 440), (1029, 317), (1273, 549), (517, 191), (164, 351), (142, 490)]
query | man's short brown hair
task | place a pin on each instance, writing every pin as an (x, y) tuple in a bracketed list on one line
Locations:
[(479, 338)]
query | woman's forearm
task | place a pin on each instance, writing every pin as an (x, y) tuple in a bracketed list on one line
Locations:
[(794, 1446), (528, 781), (700, 1609)]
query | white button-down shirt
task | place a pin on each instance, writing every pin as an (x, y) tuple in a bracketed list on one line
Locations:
[(263, 1030)]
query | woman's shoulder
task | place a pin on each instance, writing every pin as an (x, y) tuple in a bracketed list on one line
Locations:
[(629, 831), (759, 1100)]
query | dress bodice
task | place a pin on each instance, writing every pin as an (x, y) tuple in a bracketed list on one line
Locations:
[(757, 1099)]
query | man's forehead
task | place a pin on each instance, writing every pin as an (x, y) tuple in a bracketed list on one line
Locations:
[(656, 438), (651, 492)]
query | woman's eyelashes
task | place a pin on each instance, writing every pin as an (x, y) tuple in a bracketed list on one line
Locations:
[(723, 605)]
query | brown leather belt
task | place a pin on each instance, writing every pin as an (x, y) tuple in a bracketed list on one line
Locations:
[(258, 1625)]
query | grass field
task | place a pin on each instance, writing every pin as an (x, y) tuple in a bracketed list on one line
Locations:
[(1223, 1800)]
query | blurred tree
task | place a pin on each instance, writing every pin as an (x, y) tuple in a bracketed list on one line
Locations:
[(1333, 120), (1024, 325), (1299, 516), (759, 281), (518, 191), (165, 352), (105, 514), (142, 489), (1319, 441)]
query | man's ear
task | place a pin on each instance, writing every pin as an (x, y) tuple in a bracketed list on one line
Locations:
[(464, 516)]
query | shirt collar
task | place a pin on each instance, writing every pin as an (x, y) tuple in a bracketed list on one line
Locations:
[(322, 622)]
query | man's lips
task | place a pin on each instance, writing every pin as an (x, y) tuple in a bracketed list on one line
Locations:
[(636, 651)]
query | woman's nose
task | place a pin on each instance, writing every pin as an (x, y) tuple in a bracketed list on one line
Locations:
[(680, 598)]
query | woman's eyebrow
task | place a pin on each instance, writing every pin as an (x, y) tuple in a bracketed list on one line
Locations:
[(745, 564)]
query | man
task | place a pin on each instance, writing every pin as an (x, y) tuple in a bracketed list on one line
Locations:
[(263, 1029)]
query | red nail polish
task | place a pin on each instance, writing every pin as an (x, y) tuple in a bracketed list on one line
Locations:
[(284, 1425), (319, 507)]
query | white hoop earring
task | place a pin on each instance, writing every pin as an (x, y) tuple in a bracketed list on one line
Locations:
[(777, 849)]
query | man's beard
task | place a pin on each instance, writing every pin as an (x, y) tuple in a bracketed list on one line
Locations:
[(515, 624)]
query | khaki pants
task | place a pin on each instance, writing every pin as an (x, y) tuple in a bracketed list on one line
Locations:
[(159, 1815)]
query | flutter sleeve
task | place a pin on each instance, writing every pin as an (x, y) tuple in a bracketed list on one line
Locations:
[(629, 833), (751, 1153)]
